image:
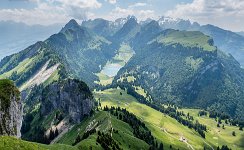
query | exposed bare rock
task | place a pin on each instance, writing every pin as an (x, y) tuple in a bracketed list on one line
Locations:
[(11, 109), (71, 96), (41, 76)]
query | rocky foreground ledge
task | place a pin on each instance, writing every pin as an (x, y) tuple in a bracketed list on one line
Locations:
[(11, 109)]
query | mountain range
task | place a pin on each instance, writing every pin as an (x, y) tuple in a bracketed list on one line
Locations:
[(17, 36), (167, 64), (13, 33)]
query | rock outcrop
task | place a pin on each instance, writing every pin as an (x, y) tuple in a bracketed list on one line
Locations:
[(11, 109), (70, 96)]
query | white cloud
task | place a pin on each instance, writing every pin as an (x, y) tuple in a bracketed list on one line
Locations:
[(228, 14), (51, 11), (79, 3), (137, 5), (111, 1), (145, 14), (122, 13)]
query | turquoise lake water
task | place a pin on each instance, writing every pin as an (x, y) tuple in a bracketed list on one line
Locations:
[(111, 69)]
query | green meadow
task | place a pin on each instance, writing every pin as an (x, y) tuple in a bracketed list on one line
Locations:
[(168, 130)]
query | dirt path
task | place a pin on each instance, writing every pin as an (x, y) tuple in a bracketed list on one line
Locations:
[(204, 141), (111, 125), (164, 130), (185, 141)]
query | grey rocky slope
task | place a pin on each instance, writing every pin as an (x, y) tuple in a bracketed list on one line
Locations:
[(57, 106), (70, 96), (11, 109)]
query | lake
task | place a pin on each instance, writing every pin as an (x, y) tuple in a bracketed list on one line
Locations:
[(111, 69)]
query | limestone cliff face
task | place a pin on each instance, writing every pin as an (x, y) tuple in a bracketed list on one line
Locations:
[(71, 96), (11, 109)]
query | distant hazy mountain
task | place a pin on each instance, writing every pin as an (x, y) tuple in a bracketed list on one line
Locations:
[(228, 41), (17, 36), (104, 27), (241, 33), (127, 32), (180, 24)]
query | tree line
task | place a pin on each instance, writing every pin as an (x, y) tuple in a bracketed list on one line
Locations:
[(227, 119), (171, 111)]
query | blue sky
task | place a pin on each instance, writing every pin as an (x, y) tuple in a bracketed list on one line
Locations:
[(228, 14)]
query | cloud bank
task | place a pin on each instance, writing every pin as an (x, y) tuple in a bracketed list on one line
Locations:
[(51, 11), (112, 1), (228, 14), (136, 9)]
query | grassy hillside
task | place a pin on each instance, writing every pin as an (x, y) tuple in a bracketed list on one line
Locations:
[(188, 70), (167, 129), (156, 121), (69, 50), (11, 143), (186, 38), (23, 66), (164, 128), (103, 121), (218, 135)]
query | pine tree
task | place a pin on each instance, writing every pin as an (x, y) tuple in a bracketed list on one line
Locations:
[(56, 132), (161, 146), (51, 135), (241, 128), (45, 140), (77, 140), (156, 143)]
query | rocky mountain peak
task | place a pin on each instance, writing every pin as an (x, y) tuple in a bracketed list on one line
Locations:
[(72, 24), (131, 21), (153, 25)]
